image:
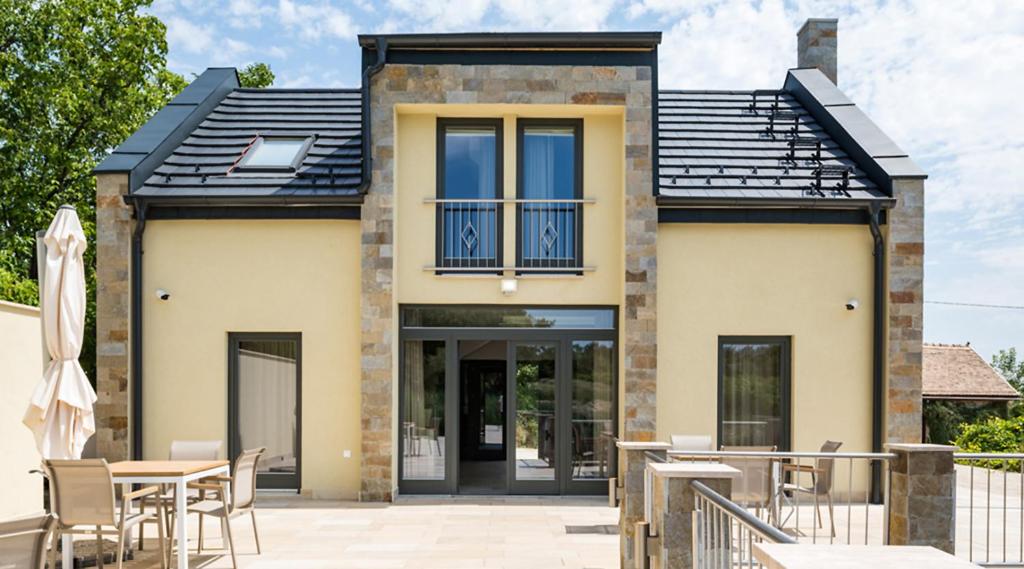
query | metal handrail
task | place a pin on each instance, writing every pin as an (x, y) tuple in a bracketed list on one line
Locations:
[(772, 454), (509, 200), (987, 456), (752, 522)]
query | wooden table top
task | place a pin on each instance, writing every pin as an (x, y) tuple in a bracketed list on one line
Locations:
[(157, 468)]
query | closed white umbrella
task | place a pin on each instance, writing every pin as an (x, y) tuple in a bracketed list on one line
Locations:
[(60, 413)]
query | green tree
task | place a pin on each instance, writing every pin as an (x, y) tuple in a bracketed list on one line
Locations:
[(77, 77), (256, 76), (1007, 364)]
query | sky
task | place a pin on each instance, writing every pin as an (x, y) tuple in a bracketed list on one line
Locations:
[(945, 80)]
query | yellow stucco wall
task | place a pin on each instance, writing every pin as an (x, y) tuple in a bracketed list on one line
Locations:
[(254, 276), (603, 162), (603, 221), (768, 280), (21, 351)]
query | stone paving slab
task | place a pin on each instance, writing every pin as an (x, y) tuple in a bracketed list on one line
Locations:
[(415, 533)]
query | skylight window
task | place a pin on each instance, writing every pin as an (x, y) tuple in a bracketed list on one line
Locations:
[(275, 154)]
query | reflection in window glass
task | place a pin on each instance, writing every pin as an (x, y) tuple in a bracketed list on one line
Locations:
[(274, 153), (470, 162), (508, 317), (267, 389), (535, 412), (422, 416), (752, 389), (593, 427)]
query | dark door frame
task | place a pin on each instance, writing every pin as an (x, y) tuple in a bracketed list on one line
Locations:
[(265, 480), (564, 338), (785, 390)]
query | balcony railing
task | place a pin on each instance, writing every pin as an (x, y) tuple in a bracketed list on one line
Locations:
[(469, 234), (549, 235)]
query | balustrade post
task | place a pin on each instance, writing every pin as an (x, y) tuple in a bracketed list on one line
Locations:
[(632, 461), (922, 498), (671, 546)]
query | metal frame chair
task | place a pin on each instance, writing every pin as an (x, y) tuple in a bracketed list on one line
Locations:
[(180, 450), (242, 498), (23, 541), (821, 481), (84, 500)]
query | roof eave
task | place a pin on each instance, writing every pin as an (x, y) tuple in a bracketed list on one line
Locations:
[(806, 203), (516, 41), (247, 200)]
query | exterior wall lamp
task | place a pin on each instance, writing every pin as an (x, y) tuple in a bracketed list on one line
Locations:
[(509, 286)]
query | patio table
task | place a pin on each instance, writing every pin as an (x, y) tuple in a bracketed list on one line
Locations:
[(150, 472)]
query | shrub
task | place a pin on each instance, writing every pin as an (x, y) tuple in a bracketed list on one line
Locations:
[(994, 435)]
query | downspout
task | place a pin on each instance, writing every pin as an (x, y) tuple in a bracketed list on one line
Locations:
[(877, 350), (368, 73), (136, 326)]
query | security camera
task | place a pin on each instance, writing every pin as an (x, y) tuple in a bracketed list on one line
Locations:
[(852, 304), (162, 294)]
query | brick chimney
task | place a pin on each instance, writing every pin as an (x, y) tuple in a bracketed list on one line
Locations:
[(817, 44)]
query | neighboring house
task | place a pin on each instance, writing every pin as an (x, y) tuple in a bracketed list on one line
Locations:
[(499, 254), (955, 372)]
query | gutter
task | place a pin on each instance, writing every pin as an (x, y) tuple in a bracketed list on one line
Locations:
[(381, 44), (877, 350)]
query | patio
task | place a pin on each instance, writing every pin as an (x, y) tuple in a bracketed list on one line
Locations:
[(417, 533)]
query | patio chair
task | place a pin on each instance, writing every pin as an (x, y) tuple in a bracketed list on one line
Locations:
[(180, 450), (23, 542), (242, 498), (85, 504), (821, 481), (754, 489)]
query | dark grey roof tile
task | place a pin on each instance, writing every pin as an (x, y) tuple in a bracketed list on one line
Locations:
[(759, 145)]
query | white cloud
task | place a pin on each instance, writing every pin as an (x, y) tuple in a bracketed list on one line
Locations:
[(246, 14), (569, 15), (314, 21), (186, 36), (441, 15)]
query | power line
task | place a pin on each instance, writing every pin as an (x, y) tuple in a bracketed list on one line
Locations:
[(976, 305)]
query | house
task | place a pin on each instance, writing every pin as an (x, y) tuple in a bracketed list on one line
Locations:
[(500, 254), (956, 373)]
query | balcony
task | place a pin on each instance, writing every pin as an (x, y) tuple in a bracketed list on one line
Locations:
[(548, 236)]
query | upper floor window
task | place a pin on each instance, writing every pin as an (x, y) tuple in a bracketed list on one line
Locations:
[(469, 212), (550, 190), (275, 154)]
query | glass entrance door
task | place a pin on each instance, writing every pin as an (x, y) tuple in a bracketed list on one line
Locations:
[(537, 448), (264, 404)]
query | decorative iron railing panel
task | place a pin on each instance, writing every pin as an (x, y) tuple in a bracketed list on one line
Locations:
[(469, 234), (549, 234)]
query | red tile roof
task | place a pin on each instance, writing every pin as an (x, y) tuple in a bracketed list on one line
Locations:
[(955, 371)]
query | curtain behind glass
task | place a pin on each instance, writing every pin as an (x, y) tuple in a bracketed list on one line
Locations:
[(752, 378), (548, 163), (267, 385)]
